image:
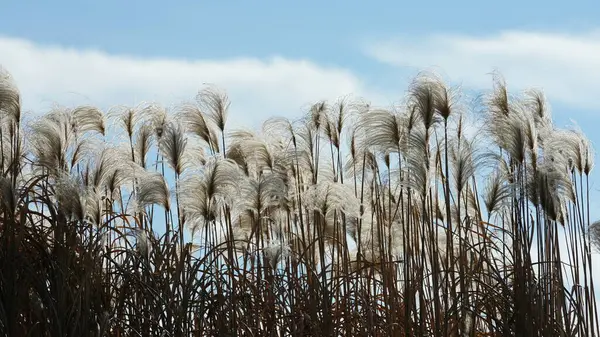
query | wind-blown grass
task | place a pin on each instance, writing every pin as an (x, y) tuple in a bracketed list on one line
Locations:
[(353, 220)]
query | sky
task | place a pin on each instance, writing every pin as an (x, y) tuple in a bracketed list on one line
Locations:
[(278, 57)]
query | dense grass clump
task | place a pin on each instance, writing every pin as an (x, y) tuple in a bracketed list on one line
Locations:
[(351, 221)]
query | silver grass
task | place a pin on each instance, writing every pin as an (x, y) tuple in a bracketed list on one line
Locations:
[(143, 241), (317, 114), (549, 188), (329, 198), (257, 153), (497, 192), (498, 101), (419, 164), (594, 234), (151, 189), (10, 97), (56, 143), (157, 116), (107, 163), (569, 149), (69, 195), (281, 127), (381, 130), (143, 144), (215, 103), (446, 100), (94, 206), (12, 153), (267, 192), (514, 133), (423, 93), (237, 154), (332, 134), (464, 160), (173, 147), (198, 124), (276, 251), (127, 118), (195, 154), (340, 112), (535, 101), (202, 195), (89, 118)]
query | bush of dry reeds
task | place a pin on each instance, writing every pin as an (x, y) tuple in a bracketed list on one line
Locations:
[(351, 221)]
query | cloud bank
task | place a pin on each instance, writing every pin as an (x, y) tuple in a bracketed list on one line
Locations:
[(257, 88), (566, 66)]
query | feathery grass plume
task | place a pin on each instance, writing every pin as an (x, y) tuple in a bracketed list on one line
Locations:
[(152, 188), (275, 252), (236, 154), (282, 127), (382, 130), (10, 97), (498, 101), (127, 118), (195, 154), (143, 241), (199, 124), (424, 92), (497, 193), (594, 233), (446, 99), (588, 156), (318, 114), (143, 144), (157, 116), (536, 102), (215, 103), (514, 133), (95, 207), (419, 164), (465, 159), (343, 110), (107, 168), (330, 200), (549, 189), (568, 149), (70, 197), (203, 193), (261, 195), (255, 152), (88, 118), (173, 147), (60, 141)]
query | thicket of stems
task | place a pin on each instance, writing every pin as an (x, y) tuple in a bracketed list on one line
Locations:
[(350, 221)]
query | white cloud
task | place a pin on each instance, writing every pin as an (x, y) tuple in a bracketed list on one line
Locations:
[(566, 66), (257, 88)]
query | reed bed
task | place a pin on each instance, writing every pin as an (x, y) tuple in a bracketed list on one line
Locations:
[(352, 220)]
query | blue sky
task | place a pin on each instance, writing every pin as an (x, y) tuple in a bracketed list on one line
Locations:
[(275, 57)]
